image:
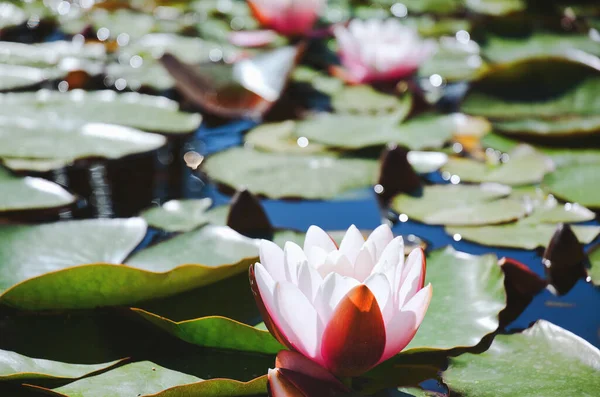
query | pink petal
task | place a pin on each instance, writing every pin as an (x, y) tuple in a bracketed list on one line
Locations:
[(404, 325), (352, 243), (354, 340), (300, 320), (412, 277), (324, 383), (309, 281), (380, 287), (364, 261), (252, 38), (271, 257), (330, 293), (293, 257), (280, 386), (317, 237)]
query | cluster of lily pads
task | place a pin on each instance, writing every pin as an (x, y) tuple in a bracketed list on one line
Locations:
[(492, 138)]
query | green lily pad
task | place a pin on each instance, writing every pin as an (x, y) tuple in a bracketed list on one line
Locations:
[(49, 53), (15, 366), (496, 7), (14, 77), (12, 15), (532, 363), (178, 215), (358, 131), (557, 88), (161, 270), (121, 21), (79, 107), (149, 74), (594, 271), (521, 234), (209, 331), (36, 165), (280, 138), (30, 251), (416, 392), (461, 205), (146, 378), (365, 99), (577, 183), (42, 139), (433, 6), (508, 49), (525, 166), (454, 61), (269, 174), (29, 193), (452, 320), (549, 210), (563, 127), (428, 26), (319, 81)]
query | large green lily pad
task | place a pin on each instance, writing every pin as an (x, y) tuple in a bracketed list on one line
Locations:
[(358, 131), (521, 234), (178, 215), (577, 183), (46, 140), (496, 7), (545, 360), (279, 137), (508, 49), (15, 366), (452, 320), (477, 204), (454, 61), (365, 99), (49, 53), (209, 331), (149, 73), (28, 193), (80, 107), (563, 127), (283, 176), (14, 77), (30, 251), (146, 378), (525, 166), (594, 271)]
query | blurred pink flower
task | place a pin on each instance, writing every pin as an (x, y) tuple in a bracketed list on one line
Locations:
[(287, 17), (379, 50), (346, 309)]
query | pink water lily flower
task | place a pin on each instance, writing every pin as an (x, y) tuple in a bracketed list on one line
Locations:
[(287, 17), (380, 50), (346, 309)]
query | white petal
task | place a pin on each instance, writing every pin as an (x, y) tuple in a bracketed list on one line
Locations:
[(364, 261), (331, 292), (391, 261), (380, 287), (309, 281), (411, 276), (381, 237), (271, 257), (316, 237), (352, 243), (403, 326), (341, 264), (293, 257), (317, 258), (300, 316)]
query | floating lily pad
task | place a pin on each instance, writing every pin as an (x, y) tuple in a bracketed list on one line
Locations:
[(121, 21), (15, 366), (549, 210), (460, 204), (525, 166), (269, 174), (433, 6), (454, 61), (365, 99), (50, 53), (146, 378), (358, 131), (36, 165), (319, 81), (46, 140), (510, 49), (496, 7), (577, 183), (12, 15), (209, 331), (29, 193), (532, 363), (563, 127), (280, 138), (458, 280), (30, 251), (178, 215), (428, 26), (522, 235), (594, 271), (222, 252), (149, 74), (79, 107), (18, 76)]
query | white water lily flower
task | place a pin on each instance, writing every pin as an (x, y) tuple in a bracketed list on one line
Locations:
[(378, 50), (347, 309)]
